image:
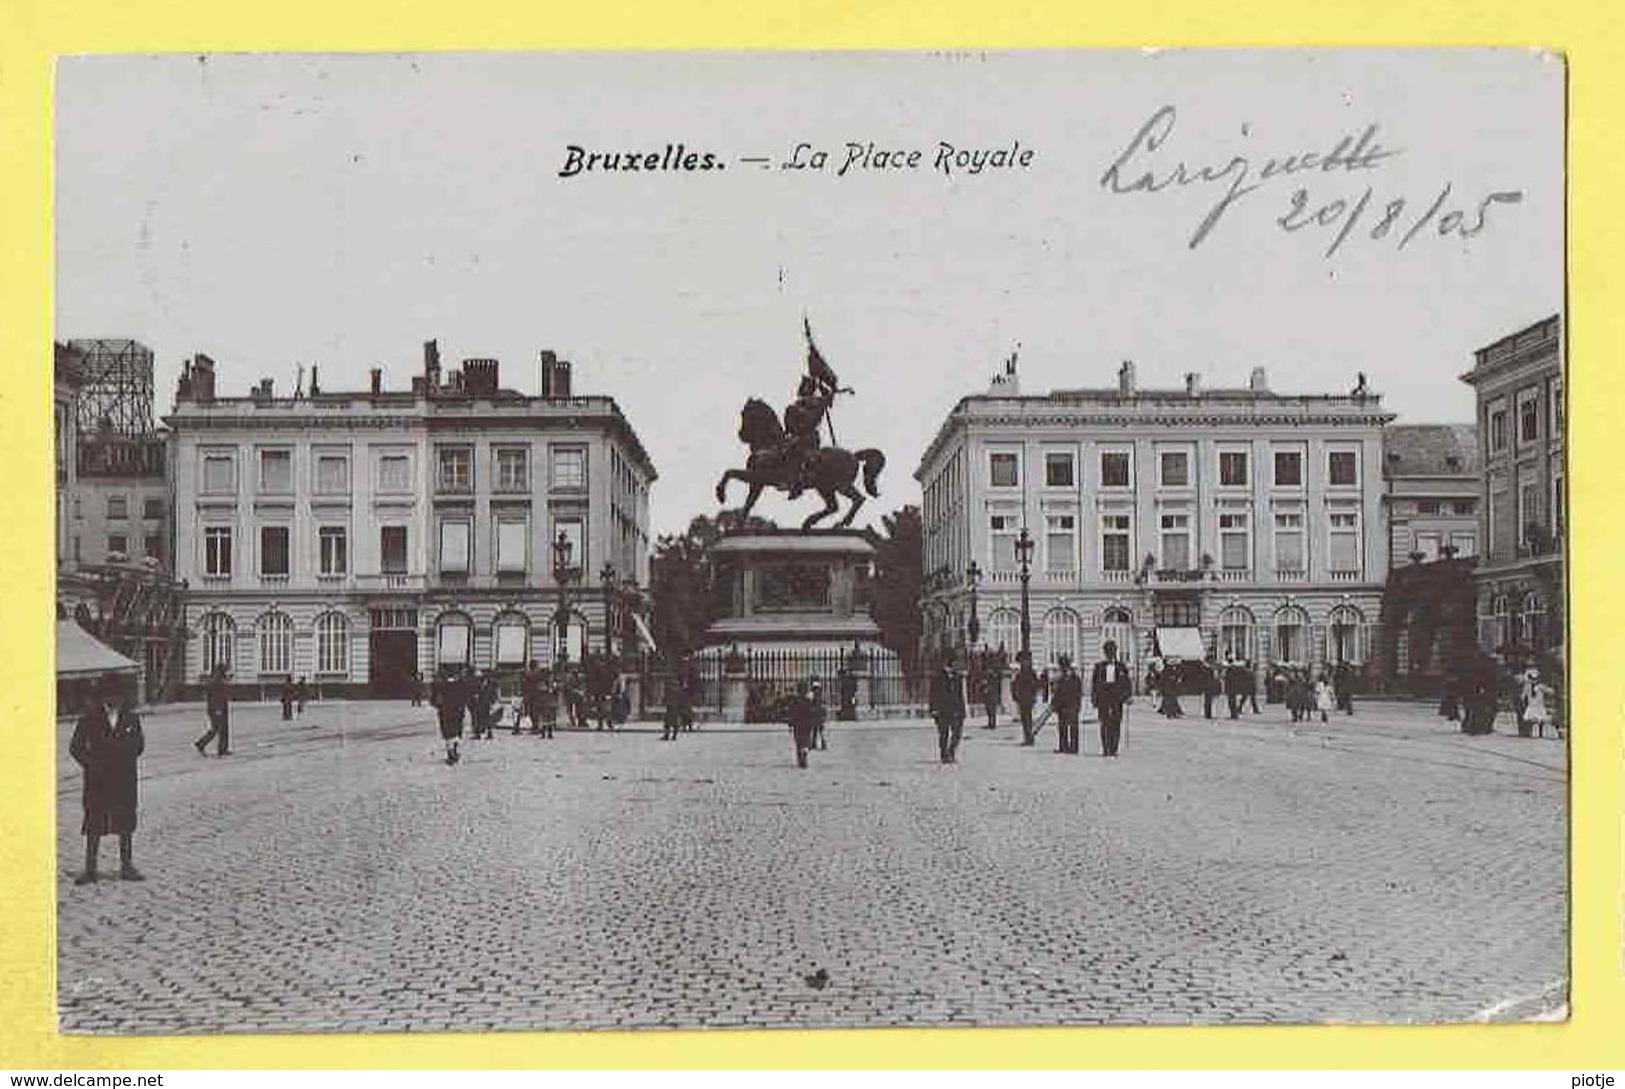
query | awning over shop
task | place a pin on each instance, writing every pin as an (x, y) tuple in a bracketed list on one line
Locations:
[(1181, 643), (80, 654)]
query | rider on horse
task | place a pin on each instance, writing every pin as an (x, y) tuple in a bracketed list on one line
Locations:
[(802, 419)]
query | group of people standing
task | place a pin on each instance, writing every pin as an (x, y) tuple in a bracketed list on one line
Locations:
[(1474, 695), (1110, 689), (462, 696)]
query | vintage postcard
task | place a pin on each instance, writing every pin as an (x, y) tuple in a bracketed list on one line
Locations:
[(580, 541)]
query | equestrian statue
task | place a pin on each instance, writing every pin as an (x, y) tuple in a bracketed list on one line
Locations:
[(791, 456)]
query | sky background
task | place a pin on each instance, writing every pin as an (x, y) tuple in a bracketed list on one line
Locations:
[(278, 210)]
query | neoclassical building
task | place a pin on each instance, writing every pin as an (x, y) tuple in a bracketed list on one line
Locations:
[(1240, 522), (354, 538), (1518, 383)]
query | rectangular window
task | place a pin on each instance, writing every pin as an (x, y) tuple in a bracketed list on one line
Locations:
[(1004, 470), (1233, 550), (513, 469), (77, 557), (1528, 509), (276, 472), (217, 551), (332, 474), (510, 640), (1176, 542), (392, 549), (1061, 542), (1002, 543), (1288, 541), (118, 508), (454, 548), (1427, 506), (219, 474), (1343, 542), (334, 542), (1174, 469), (570, 468), (1114, 542), (1288, 469), (1465, 544), (1528, 419), (1464, 506), (1427, 544), (1058, 470), (456, 469), (1557, 504), (274, 558), (511, 546), (1115, 470), (118, 543), (1233, 468), (1498, 429), (154, 546), (1342, 468), (152, 510), (394, 473)]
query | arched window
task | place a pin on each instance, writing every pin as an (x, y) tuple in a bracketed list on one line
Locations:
[(1500, 621), (1061, 635), (1292, 635), (332, 644), (219, 633), (454, 641), (1348, 642), (275, 636), (1117, 626), (1003, 631), (510, 633), (1236, 634)]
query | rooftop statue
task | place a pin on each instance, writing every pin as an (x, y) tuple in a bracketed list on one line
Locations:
[(791, 457)]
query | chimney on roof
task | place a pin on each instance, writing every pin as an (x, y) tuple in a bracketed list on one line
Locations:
[(202, 378), (377, 376), (314, 388), (480, 377), (1125, 378), (1193, 384), (1259, 381), (555, 376)]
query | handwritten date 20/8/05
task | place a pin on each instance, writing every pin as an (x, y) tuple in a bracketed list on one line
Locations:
[(1398, 219)]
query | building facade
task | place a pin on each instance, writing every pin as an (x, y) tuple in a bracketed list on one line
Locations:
[(66, 378), (1250, 520), (1433, 477), (1518, 385), (360, 539), (120, 504)]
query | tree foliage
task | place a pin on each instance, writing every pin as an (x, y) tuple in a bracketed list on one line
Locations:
[(680, 580), (899, 582)]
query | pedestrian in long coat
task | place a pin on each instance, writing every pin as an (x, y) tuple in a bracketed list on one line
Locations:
[(107, 743), (1110, 690), (217, 706), (992, 690), (1024, 689), (801, 714), (287, 699), (1066, 700), (452, 707), (948, 709)]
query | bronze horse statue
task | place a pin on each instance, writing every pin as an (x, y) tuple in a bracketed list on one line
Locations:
[(773, 463)]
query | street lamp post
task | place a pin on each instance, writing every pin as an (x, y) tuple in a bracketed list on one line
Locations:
[(563, 574), (606, 579), (1024, 555)]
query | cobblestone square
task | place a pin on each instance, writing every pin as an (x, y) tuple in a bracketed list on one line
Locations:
[(335, 874)]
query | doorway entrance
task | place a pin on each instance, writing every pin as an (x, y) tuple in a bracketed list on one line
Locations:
[(393, 643)]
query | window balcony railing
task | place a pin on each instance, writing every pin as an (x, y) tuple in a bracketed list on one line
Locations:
[(1235, 574), (393, 580), (443, 486), (1344, 576), (1116, 576), (1297, 574), (267, 579)]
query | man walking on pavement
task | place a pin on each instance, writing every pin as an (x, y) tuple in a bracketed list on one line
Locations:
[(107, 742), (1235, 686), (1024, 688), (802, 716), (1066, 700), (948, 708), (217, 705), (992, 689), (1109, 690)]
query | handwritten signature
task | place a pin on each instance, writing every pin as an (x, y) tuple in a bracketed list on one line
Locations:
[(1135, 170)]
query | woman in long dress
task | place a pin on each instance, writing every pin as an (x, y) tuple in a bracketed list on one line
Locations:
[(1325, 698), (1537, 711)]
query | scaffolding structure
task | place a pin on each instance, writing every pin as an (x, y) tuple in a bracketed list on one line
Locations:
[(116, 396)]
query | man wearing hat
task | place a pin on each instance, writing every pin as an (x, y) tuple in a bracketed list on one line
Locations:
[(948, 709), (1109, 690), (1066, 699), (107, 742)]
